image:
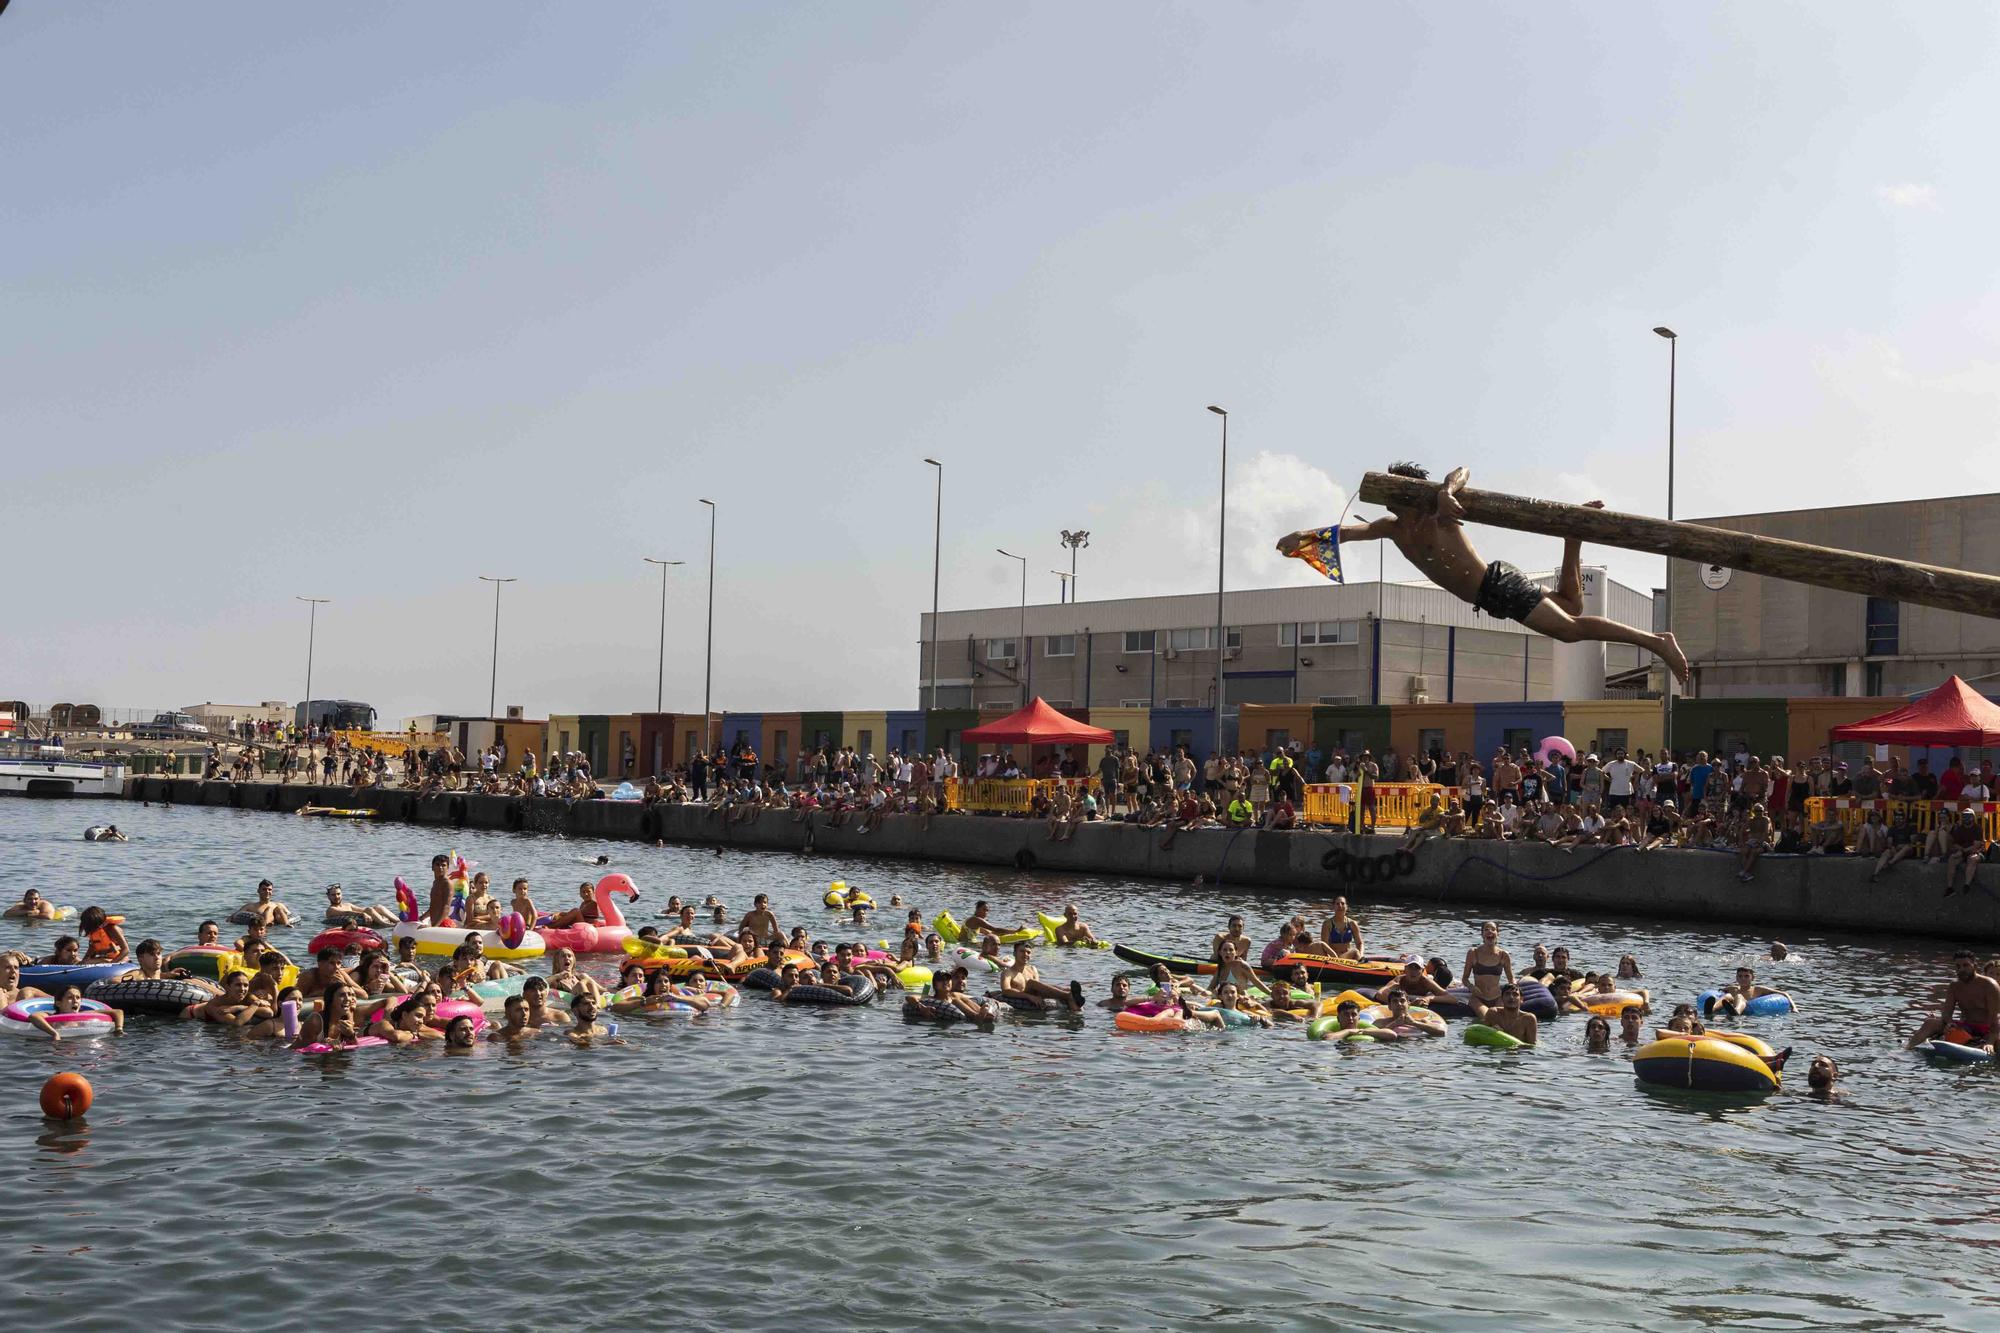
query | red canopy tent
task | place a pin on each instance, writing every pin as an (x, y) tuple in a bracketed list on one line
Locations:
[(1952, 714), (1037, 724)]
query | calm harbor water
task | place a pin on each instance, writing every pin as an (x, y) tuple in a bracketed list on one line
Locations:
[(769, 1167)]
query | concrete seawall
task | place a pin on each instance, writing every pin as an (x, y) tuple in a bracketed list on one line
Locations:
[(1821, 893)]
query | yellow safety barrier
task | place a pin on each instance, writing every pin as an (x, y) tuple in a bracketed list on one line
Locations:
[(1397, 804), (395, 744), (1007, 796), (1852, 812)]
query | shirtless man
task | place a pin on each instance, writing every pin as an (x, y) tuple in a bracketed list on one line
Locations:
[(1433, 539), (233, 1007), (1738, 993), (1973, 997), (1233, 935), (1074, 931), (440, 909), (978, 924), (267, 910), (340, 912), (326, 974), (1019, 977), (33, 907), (1508, 1016), (11, 988)]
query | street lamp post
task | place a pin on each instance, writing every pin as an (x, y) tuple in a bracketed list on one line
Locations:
[(312, 630), (1073, 540), (937, 558), (1673, 369), (660, 687), (1063, 582), (1221, 551), (493, 686), (708, 664), (1021, 644)]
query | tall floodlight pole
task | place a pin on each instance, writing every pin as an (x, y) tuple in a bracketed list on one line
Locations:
[(313, 605), (937, 563), (493, 685), (1673, 369), (1021, 644), (660, 687), (708, 667), (1073, 540), (1221, 551)]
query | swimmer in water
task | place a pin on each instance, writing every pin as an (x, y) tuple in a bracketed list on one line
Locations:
[(584, 1027), (1347, 1019), (68, 952), (1487, 965), (1628, 968), (232, 1008), (1597, 1035), (34, 907), (1508, 1016), (460, 1033), (514, 1025), (340, 912), (1229, 966), (335, 1013), (407, 1025), (1230, 1002), (265, 909), (106, 936), (1973, 997), (11, 988), (535, 995), (1629, 1030), (1779, 953), (69, 1000), (564, 976), (1823, 1078), (1121, 994), (1403, 1023), (1020, 977), (1073, 930), (1233, 934), (1736, 996)]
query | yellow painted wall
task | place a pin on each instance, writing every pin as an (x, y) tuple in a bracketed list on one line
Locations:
[(1585, 719)]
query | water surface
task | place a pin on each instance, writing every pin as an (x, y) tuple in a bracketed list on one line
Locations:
[(769, 1167)]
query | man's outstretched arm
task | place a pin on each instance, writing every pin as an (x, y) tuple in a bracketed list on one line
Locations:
[(1349, 532)]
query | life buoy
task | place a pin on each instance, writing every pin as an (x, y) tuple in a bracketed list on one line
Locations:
[(1334, 859), (1025, 859), (1406, 860)]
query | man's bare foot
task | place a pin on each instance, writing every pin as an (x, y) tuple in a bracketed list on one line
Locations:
[(1677, 661)]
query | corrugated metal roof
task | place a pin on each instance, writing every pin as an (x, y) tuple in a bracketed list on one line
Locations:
[(1408, 602)]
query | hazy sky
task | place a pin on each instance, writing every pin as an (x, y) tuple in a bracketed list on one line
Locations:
[(364, 301)]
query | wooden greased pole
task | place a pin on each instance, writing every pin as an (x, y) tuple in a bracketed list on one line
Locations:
[(1773, 557)]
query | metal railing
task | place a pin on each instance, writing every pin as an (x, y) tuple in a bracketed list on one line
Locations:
[(1008, 796), (1852, 812)]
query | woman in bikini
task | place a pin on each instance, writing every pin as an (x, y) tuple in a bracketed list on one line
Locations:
[(1342, 932), (1488, 965)]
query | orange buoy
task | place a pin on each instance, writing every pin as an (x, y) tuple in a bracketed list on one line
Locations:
[(66, 1096)]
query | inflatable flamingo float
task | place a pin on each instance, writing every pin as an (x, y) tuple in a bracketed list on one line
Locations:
[(609, 933)]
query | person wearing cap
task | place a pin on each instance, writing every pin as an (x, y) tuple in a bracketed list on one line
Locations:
[(1969, 849), (1899, 843)]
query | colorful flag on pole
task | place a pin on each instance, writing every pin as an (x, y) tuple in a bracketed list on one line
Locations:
[(1322, 552)]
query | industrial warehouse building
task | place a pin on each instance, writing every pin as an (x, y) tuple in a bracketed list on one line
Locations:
[(1753, 637), (1334, 644)]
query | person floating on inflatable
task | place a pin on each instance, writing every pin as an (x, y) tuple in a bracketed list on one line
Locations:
[(1434, 541)]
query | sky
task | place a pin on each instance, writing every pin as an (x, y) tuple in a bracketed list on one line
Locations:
[(363, 302)]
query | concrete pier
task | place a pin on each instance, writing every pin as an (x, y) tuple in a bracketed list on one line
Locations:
[(1815, 893)]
